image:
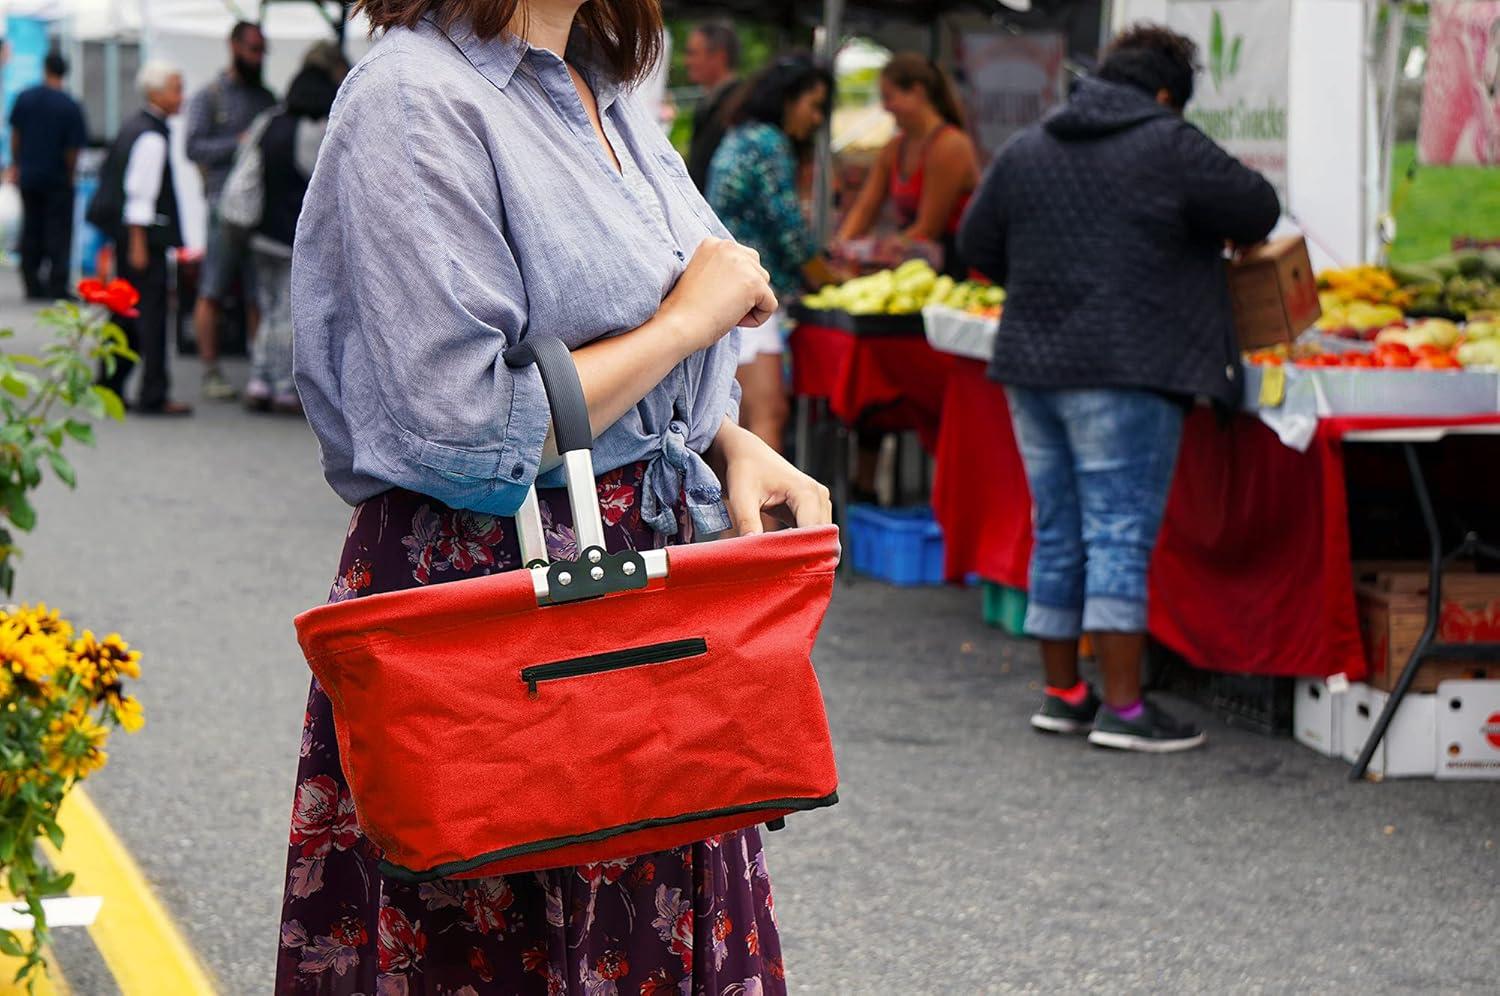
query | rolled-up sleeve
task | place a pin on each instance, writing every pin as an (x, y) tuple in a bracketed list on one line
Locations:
[(405, 297)]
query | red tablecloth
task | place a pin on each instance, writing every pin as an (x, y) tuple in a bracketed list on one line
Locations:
[(879, 382), (1252, 570)]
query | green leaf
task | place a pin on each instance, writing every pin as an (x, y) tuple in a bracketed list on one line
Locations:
[(90, 402), (17, 384), (1216, 47), (55, 834), (113, 406), (62, 468), (22, 514), (1234, 54), (31, 471), (10, 944), (82, 431)]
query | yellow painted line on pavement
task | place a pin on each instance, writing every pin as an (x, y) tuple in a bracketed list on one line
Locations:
[(139, 942), (51, 983)]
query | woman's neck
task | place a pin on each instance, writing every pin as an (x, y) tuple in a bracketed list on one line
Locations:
[(923, 123), (546, 24)]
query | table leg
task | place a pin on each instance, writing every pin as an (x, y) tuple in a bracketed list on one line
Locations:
[(842, 440), (1435, 563), (803, 436)]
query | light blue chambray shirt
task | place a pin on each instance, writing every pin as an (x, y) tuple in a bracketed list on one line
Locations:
[(461, 202)]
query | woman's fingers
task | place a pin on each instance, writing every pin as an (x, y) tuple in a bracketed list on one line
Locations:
[(744, 512), (810, 504)]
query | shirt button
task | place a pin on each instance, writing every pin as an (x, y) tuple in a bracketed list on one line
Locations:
[(518, 471), (679, 254), (1230, 372)]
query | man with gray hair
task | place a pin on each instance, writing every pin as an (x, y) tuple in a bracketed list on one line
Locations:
[(136, 205), (712, 58)]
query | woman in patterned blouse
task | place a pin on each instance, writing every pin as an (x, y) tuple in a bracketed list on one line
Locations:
[(752, 186)]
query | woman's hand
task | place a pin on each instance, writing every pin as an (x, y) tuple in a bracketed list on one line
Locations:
[(758, 479), (724, 285)]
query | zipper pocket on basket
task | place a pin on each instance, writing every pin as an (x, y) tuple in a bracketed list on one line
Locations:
[(615, 660)]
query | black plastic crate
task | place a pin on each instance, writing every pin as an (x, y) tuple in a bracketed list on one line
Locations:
[(1257, 702)]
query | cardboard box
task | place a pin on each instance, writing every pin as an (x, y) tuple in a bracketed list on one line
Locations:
[(1392, 608), (1468, 730), (1274, 293), (1318, 716), (1409, 747)]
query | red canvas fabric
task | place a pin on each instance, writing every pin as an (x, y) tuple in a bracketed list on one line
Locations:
[(450, 758), (891, 383)]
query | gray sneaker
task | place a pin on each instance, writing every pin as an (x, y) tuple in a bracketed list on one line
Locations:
[(216, 387), (1153, 732), (1056, 716)]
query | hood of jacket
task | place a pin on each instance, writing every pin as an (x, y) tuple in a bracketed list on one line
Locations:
[(1097, 108)]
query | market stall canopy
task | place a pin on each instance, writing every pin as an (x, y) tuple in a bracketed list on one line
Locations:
[(791, 11)]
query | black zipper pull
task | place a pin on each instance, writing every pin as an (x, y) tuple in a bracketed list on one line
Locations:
[(532, 692)]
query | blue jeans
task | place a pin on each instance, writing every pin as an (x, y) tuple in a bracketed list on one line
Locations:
[(1099, 462)]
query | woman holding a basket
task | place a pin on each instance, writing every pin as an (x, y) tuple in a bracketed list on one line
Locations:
[(487, 178)]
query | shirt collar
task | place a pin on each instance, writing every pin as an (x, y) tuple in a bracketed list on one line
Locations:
[(497, 59)]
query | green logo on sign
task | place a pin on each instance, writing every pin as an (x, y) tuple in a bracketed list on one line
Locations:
[(1222, 64)]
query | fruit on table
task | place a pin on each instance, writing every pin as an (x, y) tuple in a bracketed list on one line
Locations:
[(1359, 316), (1437, 332), (1480, 353), (1461, 283), (903, 291)]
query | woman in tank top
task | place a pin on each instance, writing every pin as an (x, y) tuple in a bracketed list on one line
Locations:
[(928, 171)]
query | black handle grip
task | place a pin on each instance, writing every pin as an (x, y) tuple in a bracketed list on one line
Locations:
[(570, 413)]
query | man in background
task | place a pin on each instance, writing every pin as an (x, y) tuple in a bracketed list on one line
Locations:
[(46, 133), (137, 205), (218, 117), (712, 58)]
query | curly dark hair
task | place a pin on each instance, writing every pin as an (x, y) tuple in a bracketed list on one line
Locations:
[(1152, 58), (765, 95)]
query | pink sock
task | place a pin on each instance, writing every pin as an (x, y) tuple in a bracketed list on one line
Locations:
[(1075, 696), (1130, 713)]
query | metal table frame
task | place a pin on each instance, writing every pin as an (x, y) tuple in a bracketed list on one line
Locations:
[(1429, 647)]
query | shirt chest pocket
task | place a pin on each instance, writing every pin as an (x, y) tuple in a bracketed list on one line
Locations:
[(686, 194)]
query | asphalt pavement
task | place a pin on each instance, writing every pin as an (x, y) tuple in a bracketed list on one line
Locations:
[(967, 855)]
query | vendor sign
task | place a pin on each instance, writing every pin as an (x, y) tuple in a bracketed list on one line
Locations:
[(1011, 79), (1241, 98)]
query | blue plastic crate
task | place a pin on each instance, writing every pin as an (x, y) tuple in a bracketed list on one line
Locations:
[(901, 545)]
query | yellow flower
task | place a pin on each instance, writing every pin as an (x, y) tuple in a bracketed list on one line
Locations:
[(128, 713), (42, 621), (75, 746), (110, 661), (7, 685), (34, 659)]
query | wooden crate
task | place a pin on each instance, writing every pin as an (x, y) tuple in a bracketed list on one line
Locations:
[(1393, 611)]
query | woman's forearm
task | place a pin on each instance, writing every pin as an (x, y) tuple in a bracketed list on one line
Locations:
[(618, 372)]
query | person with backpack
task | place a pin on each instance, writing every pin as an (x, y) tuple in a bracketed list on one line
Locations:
[(219, 116), (262, 199), (136, 206)]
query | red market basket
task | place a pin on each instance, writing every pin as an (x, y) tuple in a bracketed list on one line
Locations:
[(581, 711)]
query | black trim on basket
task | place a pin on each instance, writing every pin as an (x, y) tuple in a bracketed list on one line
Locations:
[(411, 877), (613, 660)]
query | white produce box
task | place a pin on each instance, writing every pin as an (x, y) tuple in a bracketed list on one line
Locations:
[(1468, 730), (960, 333), (1409, 748), (1318, 715)]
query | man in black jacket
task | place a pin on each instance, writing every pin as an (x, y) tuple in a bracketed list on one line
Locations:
[(712, 56), (1107, 224), (137, 205)]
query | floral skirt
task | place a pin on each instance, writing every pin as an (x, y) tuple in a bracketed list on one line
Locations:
[(694, 920)]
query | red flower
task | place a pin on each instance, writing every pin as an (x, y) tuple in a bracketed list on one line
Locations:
[(609, 871), (615, 497), (643, 874), (723, 926), (487, 902), (401, 942), (535, 960), (349, 932), (777, 968), (118, 296), (481, 965), (658, 982), (613, 966), (323, 817), (752, 939)]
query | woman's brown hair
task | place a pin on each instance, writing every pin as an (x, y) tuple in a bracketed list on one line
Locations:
[(627, 34), (908, 69)]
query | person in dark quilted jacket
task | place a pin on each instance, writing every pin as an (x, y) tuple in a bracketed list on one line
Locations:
[(1107, 224)]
